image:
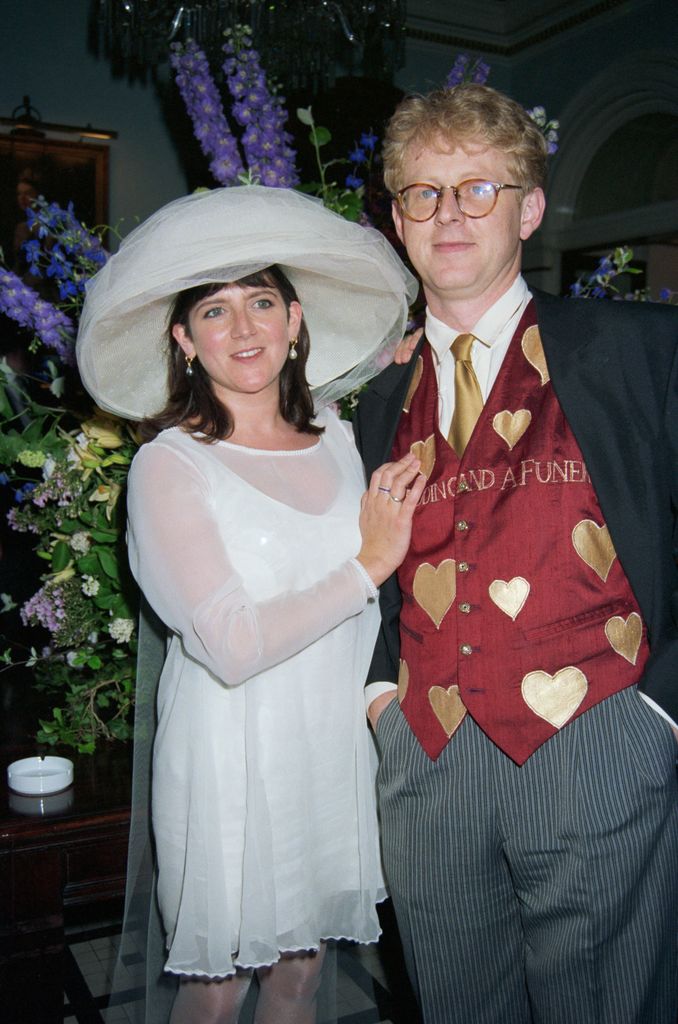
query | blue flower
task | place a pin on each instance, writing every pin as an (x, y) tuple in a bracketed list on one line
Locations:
[(369, 140), (67, 289), (357, 156), (32, 251), (352, 181), (665, 295), (4, 479), (24, 491)]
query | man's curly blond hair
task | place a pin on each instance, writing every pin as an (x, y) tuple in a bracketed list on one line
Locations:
[(465, 115)]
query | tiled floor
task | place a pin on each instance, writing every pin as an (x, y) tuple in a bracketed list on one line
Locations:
[(371, 986)]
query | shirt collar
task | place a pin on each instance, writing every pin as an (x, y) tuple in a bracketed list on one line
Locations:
[(440, 335)]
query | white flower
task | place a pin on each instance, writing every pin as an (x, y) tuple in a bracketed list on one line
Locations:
[(121, 630), (76, 452), (48, 468), (90, 587), (93, 638), (538, 115), (70, 658), (80, 542)]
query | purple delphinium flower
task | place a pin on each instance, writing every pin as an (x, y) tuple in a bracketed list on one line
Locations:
[(265, 142), (466, 70), (203, 104), (23, 305), (458, 73), (480, 73)]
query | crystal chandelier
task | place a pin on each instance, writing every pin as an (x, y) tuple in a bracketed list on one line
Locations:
[(302, 42)]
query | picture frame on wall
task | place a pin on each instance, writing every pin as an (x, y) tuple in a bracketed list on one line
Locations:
[(61, 171)]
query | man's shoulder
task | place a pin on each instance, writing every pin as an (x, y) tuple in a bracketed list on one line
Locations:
[(606, 311), (389, 379)]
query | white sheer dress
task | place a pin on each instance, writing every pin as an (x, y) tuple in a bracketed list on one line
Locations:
[(263, 769)]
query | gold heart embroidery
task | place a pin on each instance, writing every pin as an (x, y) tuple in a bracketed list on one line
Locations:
[(414, 384), (624, 636), (533, 350), (403, 680), (512, 425), (510, 597), (448, 707), (555, 698), (594, 546), (425, 451), (435, 588)]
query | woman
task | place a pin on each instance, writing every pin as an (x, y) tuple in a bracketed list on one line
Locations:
[(244, 538)]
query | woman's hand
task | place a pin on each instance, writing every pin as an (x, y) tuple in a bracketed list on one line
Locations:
[(386, 512), (406, 347)]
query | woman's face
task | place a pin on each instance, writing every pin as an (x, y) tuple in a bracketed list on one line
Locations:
[(25, 194), (241, 336)]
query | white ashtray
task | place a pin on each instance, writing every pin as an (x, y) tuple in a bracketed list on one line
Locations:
[(37, 775), (41, 806)]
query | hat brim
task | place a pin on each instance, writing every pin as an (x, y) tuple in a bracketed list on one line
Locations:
[(353, 289)]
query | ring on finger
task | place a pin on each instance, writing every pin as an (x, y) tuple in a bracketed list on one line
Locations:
[(386, 490), (398, 501)]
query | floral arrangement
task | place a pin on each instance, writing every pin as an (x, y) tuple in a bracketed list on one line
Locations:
[(68, 485), (67, 467), (601, 282), (66, 464)]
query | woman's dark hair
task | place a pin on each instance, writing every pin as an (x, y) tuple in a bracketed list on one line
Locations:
[(192, 403)]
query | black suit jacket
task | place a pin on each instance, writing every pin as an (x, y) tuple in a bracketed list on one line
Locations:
[(614, 367)]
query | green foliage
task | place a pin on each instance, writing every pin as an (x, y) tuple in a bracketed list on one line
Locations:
[(71, 487), (344, 201)]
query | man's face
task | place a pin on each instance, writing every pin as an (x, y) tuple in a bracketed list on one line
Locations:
[(462, 260)]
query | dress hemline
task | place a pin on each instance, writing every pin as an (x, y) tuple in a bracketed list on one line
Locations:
[(270, 963)]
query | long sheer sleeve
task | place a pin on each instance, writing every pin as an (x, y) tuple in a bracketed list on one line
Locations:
[(179, 558)]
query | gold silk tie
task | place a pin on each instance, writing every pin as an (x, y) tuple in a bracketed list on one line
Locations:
[(468, 399)]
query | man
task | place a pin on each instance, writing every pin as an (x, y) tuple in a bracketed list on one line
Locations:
[(527, 784)]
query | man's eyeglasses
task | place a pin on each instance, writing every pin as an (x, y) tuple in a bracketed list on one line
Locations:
[(475, 198)]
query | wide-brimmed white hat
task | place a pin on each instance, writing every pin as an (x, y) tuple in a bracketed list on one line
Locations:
[(353, 288)]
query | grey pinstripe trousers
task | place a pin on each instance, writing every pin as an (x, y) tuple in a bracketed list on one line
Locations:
[(546, 894)]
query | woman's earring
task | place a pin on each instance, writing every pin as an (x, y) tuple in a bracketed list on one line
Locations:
[(293, 354), (189, 367)]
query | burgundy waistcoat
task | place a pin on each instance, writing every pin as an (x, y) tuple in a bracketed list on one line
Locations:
[(516, 609)]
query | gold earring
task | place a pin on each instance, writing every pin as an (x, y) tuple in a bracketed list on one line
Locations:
[(189, 367), (293, 354)]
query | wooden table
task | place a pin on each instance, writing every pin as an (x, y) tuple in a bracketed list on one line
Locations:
[(55, 861)]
